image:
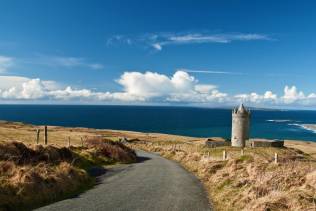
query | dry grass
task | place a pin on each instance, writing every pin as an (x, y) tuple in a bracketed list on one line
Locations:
[(305, 146), (117, 151), (26, 133), (251, 181), (31, 176), (57, 136)]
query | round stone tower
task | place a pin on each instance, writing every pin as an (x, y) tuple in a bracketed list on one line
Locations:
[(240, 126)]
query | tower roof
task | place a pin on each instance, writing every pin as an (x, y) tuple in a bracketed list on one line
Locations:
[(241, 109)]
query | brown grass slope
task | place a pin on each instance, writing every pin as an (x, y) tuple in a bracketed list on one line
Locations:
[(31, 176), (247, 182)]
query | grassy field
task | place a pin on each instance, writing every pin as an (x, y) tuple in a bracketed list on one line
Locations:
[(248, 181), (32, 175), (241, 182)]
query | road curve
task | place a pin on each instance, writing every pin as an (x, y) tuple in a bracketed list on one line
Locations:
[(153, 184)]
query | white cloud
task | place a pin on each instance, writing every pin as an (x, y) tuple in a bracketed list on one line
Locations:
[(208, 38), (267, 98), (5, 63), (291, 94), (72, 62), (210, 72), (7, 82), (204, 88), (159, 40), (31, 89), (68, 93), (151, 84), (148, 84), (197, 38), (183, 82), (291, 97), (268, 95), (149, 87), (62, 61), (181, 87), (136, 86), (157, 46)]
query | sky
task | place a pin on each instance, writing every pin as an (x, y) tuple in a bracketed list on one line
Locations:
[(195, 53)]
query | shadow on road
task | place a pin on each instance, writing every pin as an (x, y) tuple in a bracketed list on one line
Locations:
[(141, 159), (100, 173), (96, 171)]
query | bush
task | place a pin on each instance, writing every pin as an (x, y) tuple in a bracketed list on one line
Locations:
[(113, 150)]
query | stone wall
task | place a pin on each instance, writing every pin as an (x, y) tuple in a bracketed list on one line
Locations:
[(265, 143)]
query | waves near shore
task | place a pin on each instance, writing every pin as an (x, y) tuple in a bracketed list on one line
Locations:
[(308, 127)]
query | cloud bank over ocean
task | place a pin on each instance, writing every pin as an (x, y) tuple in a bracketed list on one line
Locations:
[(148, 87)]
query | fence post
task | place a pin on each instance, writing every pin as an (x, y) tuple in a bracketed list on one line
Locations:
[(276, 158), (37, 135), (68, 141), (45, 135), (224, 155), (81, 141)]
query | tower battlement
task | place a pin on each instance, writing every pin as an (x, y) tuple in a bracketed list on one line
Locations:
[(241, 110)]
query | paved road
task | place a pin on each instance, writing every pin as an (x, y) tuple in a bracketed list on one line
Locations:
[(153, 184)]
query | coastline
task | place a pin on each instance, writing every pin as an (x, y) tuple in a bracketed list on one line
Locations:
[(230, 179), (26, 133), (310, 127)]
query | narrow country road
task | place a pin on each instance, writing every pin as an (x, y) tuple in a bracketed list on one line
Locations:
[(153, 184)]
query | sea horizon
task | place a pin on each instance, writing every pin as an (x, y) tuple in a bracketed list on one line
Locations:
[(229, 107)]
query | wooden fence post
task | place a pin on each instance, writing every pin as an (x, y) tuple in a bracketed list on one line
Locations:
[(68, 141), (276, 158), (81, 141), (224, 155), (45, 135), (37, 135)]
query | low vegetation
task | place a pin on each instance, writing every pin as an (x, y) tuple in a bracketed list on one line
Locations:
[(34, 175), (241, 182), (248, 181)]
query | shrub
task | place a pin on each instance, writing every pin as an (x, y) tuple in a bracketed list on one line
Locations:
[(113, 150)]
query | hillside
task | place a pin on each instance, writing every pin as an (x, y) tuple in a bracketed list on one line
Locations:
[(241, 182)]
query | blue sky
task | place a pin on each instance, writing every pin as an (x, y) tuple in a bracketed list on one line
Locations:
[(210, 53)]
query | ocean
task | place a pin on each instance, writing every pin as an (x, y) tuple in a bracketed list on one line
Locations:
[(189, 121)]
